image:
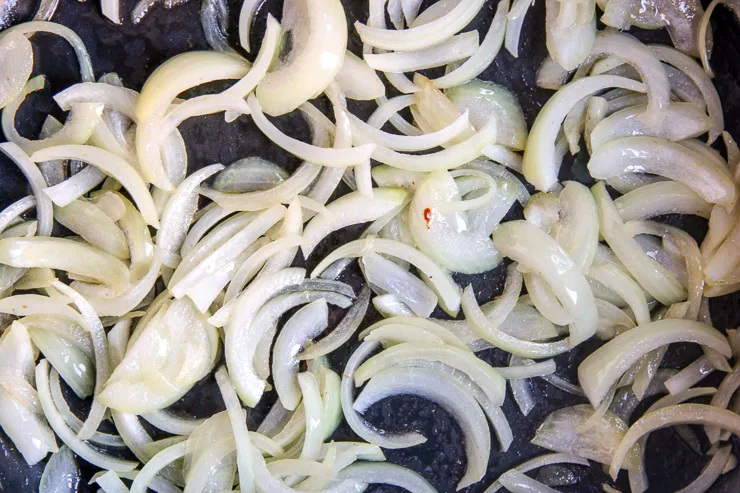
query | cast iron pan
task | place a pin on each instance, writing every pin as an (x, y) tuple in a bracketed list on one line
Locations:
[(135, 51)]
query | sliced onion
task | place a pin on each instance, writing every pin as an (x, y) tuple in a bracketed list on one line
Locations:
[(16, 58), (401, 324), (61, 474), (44, 211), (599, 443), (455, 48), (442, 283), (355, 421), (604, 367), (357, 80), (94, 226), (517, 482), (387, 473), (155, 465), (539, 164), (578, 228), (656, 199), (364, 132), (64, 193), (421, 36), (570, 44), (14, 211)]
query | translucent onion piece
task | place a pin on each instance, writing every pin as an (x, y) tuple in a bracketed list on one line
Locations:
[(155, 465), (31, 304), (699, 414), (66, 434), (249, 175), (605, 366), (498, 338), (422, 36), (242, 336), (172, 423), (694, 71), (539, 165), (44, 211), (515, 21), (713, 470), (662, 157), (342, 332), (64, 193), (355, 421), (652, 276), (615, 279), (94, 226), (541, 461), (442, 283), (399, 324), (314, 413), (14, 211), (111, 164), (214, 17), (721, 399), (517, 482), (539, 255), (357, 80), (570, 44), (387, 473), (178, 214), (455, 48), (409, 143), (16, 58), (63, 254), (391, 278), (656, 199), (83, 58), (352, 208), (61, 474), (237, 417), (246, 14), (599, 443), (686, 121)]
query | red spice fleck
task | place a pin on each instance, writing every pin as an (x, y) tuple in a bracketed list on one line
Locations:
[(430, 277), (428, 216)]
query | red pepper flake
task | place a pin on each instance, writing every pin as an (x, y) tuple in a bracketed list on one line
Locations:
[(430, 277), (428, 216)]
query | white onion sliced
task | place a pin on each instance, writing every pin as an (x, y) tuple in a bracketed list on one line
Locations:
[(111, 164), (157, 464), (64, 254), (60, 473), (652, 276), (356, 422), (539, 164), (441, 281), (483, 57), (422, 36), (387, 473), (389, 277), (599, 443), (388, 110), (446, 392), (94, 226), (83, 58), (313, 407), (187, 276), (541, 461), (578, 228), (686, 121), (16, 58), (357, 80), (662, 157), (64, 193), (44, 210), (615, 279), (12, 213), (693, 70), (570, 44), (352, 208), (721, 399), (242, 336), (539, 255), (598, 372), (66, 434), (515, 21), (713, 470), (656, 199), (317, 155), (401, 323), (690, 375), (517, 482), (454, 49), (699, 414)]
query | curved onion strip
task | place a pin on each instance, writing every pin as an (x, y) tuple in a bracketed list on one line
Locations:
[(486, 330), (66, 434), (317, 155), (22, 305), (722, 398), (387, 473), (307, 323), (44, 210), (16, 53), (423, 36), (545, 301), (64, 193), (237, 418), (387, 276), (242, 336), (94, 226), (112, 165), (711, 472), (83, 58), (517, 482), (690, 375), (541, 461), (388, 336), (352, 208), (342, 332), (442, 283), (688, 65), (455, 48), (652, 276), (699, 414), (614, 278), (657, 199), (364, 430), (539, 164), (64, 254), (120, 99), (178, 214), (388, 110), (156, 464), (313, 407), (62, 469), (600, 370), (483, 57), (665, 158), (201, 226), (186, 276), (268, 482), (397, 329), (527, 370), (409, 143), (12, 213), (447, 393), (246, 14), (540, 255)]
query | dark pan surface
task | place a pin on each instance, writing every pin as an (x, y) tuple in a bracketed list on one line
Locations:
[(135, 51)]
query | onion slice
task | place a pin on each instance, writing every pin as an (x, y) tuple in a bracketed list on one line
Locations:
[(44, 210), (542, 461)]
